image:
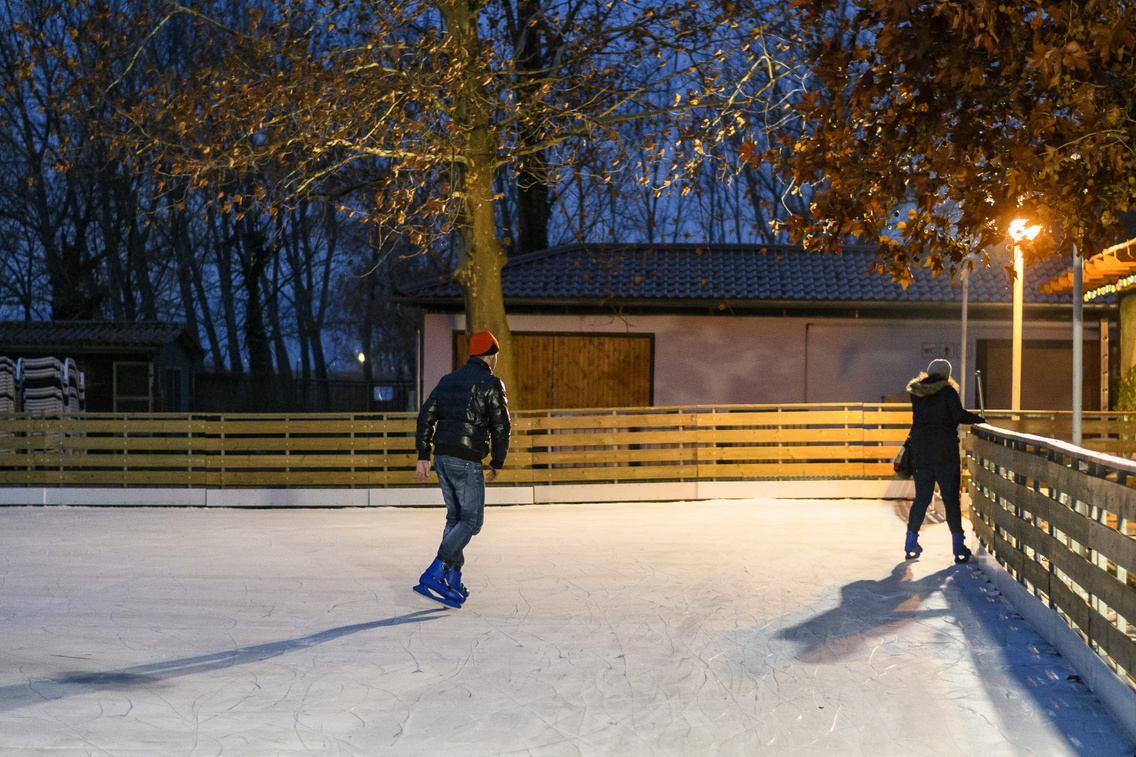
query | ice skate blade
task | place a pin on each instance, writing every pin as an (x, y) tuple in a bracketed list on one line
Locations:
[(424, 591)]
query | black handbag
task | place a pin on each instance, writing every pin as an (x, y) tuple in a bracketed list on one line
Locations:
[(902, 461)]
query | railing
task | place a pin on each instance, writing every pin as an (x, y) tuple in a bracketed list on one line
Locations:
[(1062, 520), (1111, 432), (377, 450)]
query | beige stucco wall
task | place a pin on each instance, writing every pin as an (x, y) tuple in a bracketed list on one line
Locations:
[(725, 359)]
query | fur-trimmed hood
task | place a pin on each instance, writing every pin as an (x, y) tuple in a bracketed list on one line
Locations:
[(924, 385)]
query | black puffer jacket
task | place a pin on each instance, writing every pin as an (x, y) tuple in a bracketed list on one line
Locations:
[(936, 413), (466, 412)]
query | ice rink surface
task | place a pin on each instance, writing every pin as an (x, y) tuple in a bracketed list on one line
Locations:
[(754, 627)]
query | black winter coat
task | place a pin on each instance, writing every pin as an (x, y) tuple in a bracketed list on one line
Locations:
[(936, 412), (465, 415)]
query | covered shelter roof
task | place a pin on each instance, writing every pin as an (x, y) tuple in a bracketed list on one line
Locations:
[(1104, 273)]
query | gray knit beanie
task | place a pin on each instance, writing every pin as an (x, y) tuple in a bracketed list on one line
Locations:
[(939, 367)]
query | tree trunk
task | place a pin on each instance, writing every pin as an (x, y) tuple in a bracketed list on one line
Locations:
[(71, 277), (120, 296), (137, 245), (480, 259), (300, 293), (194, 272), (183, 248), (283, 360), (222, 242), (254, 261), (480, 256), (316, 321), (534, 201), (534, 205)]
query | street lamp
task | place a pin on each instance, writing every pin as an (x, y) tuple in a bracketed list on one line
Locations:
[(1019, 230), (964, 375), (1078, 344)]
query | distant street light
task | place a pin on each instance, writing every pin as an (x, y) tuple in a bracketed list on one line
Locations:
[(1019, 230), (362, 358)]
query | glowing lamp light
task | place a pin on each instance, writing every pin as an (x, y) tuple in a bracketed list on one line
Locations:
[(362, 358), (1019, 230)]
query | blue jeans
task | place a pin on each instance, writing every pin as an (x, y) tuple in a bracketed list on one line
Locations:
[(463, 489), (949, 479)]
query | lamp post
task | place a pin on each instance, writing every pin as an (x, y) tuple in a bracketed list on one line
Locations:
[(1078, 343), (1019, 230), (964, 375), (962, 346)]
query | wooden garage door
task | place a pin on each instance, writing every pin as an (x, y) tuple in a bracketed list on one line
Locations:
[(578, 370), (1047, 374)]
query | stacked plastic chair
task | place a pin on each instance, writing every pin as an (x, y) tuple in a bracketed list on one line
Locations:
[(74, 392), (9, 389), (41, 383), (9, 396)]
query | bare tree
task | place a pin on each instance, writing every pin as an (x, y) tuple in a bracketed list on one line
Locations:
[(438, 95)]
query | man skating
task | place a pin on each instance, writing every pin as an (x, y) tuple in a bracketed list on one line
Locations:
[(465, 418)]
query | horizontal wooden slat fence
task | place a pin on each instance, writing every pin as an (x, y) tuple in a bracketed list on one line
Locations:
[(705, 443), (1111, 432), (1062, 521), (377, 450)]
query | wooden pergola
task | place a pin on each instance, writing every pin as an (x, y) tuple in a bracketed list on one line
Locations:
[(1104, 272), (1111, 271)]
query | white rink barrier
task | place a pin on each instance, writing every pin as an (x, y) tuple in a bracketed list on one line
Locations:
[(431, 496)]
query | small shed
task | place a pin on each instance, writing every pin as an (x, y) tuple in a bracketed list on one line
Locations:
[(128, 367)]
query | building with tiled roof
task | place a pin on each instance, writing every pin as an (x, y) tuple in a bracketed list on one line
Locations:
[(97, 336), (128, 366), (738, 276), (746, 324)]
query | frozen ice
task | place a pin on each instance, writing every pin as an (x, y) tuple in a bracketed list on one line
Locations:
[(740, 627)]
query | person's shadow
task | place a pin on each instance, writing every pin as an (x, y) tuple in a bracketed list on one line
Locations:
[(1011, 662), (69, 684), (867, 610)]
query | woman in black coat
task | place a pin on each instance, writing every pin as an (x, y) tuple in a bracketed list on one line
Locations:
[(936, 412)]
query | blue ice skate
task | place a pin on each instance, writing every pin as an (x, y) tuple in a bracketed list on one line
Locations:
[(433, 584), (962, 552), (911, 548), (454, 581)]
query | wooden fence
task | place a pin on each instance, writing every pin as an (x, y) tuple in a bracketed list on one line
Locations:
[(737, 442), (1111, 432), (1062, 520), (377, 450)]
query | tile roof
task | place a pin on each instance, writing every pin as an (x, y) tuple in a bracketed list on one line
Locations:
[(99, 335), (673, 275)]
